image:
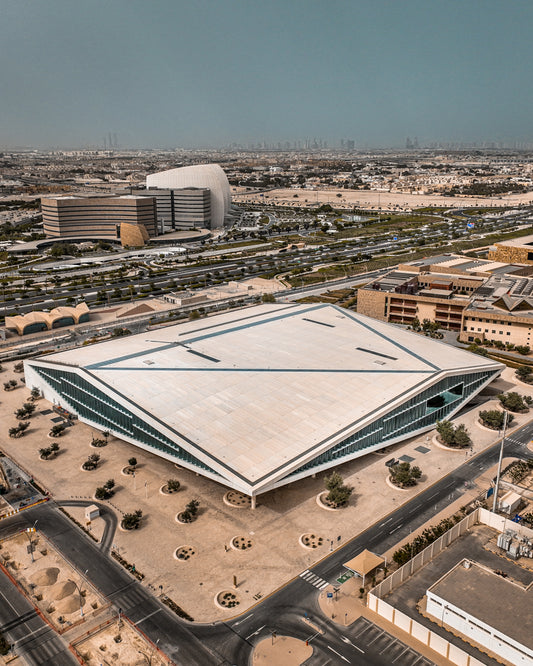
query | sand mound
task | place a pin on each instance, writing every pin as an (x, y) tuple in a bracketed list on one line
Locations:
[(62, 590), (46, 577), (69, 604)]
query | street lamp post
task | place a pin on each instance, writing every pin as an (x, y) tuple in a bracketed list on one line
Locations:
[(28, 533), (79, 592), (497, 486)]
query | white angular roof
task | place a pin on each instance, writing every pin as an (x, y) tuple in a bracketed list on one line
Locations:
[(256, 393)]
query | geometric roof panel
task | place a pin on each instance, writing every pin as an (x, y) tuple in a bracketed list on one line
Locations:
[(255, 390)]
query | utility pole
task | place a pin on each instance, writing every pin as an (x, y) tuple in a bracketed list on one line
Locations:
[(497, 486)]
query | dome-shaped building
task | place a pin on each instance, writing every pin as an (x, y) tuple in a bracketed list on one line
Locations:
[(209, 176)]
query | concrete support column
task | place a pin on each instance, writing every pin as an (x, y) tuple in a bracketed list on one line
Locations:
[(254, 500)]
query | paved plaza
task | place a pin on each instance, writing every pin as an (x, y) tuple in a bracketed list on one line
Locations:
[(274, 528)]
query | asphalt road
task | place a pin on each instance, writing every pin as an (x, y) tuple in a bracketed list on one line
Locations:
[(284, 612)]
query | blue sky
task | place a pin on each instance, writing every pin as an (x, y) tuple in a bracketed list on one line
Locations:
[(169, 73)]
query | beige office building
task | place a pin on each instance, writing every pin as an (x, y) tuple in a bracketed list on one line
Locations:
[(99, 217)]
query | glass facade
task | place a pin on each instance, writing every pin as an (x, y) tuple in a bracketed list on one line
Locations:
[(431, 405), (91, 404)]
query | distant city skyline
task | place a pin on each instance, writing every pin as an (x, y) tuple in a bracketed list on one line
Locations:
[(209, 74)]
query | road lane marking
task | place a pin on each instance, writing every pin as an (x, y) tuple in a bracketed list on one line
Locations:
[(385, 522), (396, 528), (338, 653), (347, 640), (147, 616), (255, 632), (243, 620)]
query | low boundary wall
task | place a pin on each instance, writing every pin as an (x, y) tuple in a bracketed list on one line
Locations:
[(376, 602)]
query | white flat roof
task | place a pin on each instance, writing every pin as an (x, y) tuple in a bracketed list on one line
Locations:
[(263, 390)]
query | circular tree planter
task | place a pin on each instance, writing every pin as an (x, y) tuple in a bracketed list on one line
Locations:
[(127, 471), (310, 540), (440, 445), (241, 543), (62, 434), (395, 487), (88, 469), (184, 553), (165, 491), (237, 500), (180, 520), (100, 443), (323, 504), (227, 599), (50, 457)]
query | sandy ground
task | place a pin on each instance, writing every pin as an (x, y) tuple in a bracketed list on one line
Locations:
[(274, 528), (52, 585), (373, 200), (281, 651), (118, 644)]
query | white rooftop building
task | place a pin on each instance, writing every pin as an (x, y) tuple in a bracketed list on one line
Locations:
[(257, 398), (209, 176)]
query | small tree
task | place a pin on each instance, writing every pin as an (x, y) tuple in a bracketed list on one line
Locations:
[(45, 453), (192, 507), (338, 494), (5, 646), (106, 491), (522, 349), (92, 461), (494, 418), (446, 431), (523, 372), (513, 401), (173, 485), (132, 462), (57, 430), (131, 521), (19, 367), (461, 437), (457, 437), (35, 393), (403, 475)]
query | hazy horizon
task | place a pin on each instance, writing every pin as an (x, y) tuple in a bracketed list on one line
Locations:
[(208, 74)]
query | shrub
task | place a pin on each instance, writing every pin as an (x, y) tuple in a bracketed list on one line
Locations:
[(522, 349), (457, 437), (102, 493), (131, 521), (523, 372), (132, 462), (403, 475), (57, 429), (173, 485), (338, 494), (4, 645), (514, 402), (494, 418), (192, 507)]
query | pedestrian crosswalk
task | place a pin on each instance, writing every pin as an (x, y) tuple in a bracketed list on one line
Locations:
[(315, 580)]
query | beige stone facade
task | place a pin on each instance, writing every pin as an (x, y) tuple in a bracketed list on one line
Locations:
[(436, 299), (518, 251), (496, 326), (133, 235)]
